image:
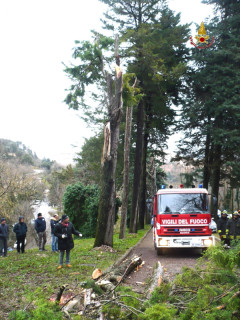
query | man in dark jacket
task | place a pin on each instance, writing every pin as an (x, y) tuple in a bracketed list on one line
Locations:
[(21, 231), (3, 237), (53, 221), (233, 227), (222, 226), (40, 227), (64, 231)]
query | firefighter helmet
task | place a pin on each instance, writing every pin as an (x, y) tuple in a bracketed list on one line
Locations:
[(235, 213)]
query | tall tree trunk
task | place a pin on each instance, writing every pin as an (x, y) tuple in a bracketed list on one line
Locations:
[(143, 183), (153, 190), (237, 196), (206, 167), (216, 179), (106, 209), (137, 170), (126, 172)]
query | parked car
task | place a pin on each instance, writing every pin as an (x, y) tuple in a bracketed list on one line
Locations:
[(213, 226)]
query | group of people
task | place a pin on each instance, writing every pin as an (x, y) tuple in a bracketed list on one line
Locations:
[(61, 233), (19, 228), (229, 228)]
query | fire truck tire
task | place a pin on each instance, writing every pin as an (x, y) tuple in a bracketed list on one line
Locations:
[(159, 251)]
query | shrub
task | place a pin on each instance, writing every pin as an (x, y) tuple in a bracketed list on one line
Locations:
[(81, 204)]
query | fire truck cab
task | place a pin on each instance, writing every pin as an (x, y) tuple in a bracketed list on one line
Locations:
[(181, 218)]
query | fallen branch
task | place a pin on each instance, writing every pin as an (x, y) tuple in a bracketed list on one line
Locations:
[(130, 308), (25, 308), (157, 279), (225, 293), (67, 314), (69, 300)]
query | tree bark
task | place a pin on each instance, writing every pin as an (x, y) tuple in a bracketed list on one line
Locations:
[(137, 169), (153, 189), (106, 209), (143, 184), (216, 180), (118, 273), (206, 167), (126, 172)]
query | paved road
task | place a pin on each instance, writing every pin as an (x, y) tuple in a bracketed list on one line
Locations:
[(173, 261)]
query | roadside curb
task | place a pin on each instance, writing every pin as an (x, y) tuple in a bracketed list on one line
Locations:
[(129, 251)]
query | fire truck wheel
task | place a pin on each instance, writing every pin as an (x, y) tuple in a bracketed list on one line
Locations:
[(159, 251)]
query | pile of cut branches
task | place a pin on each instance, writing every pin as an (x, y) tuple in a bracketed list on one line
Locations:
[(208, 291)]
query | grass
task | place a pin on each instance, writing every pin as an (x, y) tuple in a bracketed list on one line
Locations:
[(21, 275)]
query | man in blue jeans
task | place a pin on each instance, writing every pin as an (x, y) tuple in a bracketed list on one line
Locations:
[(53, 221), (64, 231)]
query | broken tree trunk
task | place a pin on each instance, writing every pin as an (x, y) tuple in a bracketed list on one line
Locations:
[(106, 209), (110, 280)]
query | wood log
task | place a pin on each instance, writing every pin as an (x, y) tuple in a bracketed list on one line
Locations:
[(156, 278), (118, 273), (97, 273)]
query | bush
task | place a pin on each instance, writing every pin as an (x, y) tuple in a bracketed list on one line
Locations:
[(81, 205)]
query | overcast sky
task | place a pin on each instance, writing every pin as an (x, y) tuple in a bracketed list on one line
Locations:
[(36, 37)]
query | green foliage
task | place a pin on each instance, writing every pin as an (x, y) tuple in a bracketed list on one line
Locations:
[(160, 294), (43, 309), (92, 284), (27, 159), (47, 163), (89, 160), (125, 301), (209, 291), (159, 312), (81, 204), (131, 95), (19, 315), (228, 261), (161, 177), (91, 57), (210, 116)]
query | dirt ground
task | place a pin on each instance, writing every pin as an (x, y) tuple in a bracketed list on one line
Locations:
[(172, 261)]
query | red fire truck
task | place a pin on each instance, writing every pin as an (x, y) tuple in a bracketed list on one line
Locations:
[(181, 219)]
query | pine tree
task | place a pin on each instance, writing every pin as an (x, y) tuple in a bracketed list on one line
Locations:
[(214, 117), (154, 46)]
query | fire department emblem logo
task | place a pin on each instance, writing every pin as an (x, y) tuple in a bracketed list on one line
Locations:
[(202, 39)]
